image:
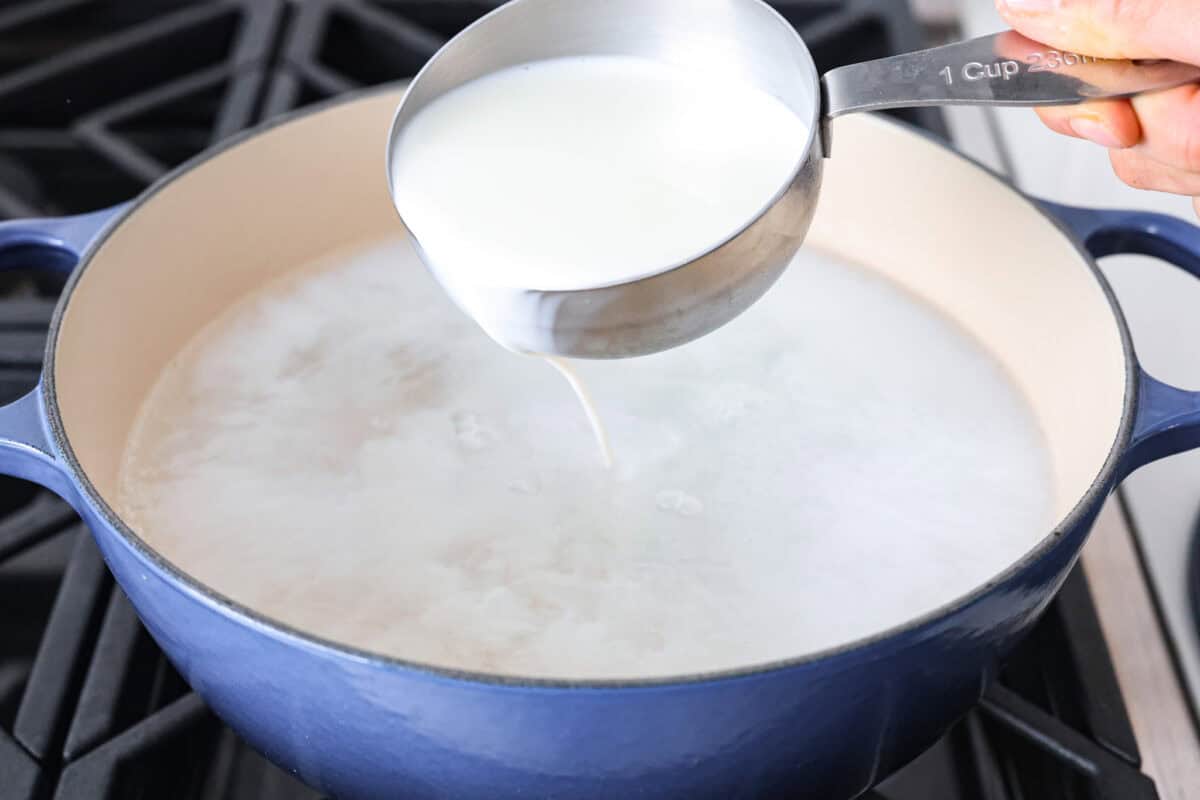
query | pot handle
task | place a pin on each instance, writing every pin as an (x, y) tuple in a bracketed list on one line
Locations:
[(51, 245), (1168, 418)]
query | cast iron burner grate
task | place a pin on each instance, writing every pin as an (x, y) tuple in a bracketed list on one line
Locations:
[(98, 98)]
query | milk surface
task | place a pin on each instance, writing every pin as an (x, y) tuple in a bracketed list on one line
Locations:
[(346, 454), (582, 172)]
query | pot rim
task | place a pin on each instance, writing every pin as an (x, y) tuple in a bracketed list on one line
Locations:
[(856, 649)]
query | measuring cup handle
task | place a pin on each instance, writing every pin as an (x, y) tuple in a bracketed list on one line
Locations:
[(1003, 69)]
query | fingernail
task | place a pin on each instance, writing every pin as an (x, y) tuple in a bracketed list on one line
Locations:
[(1032, 6), (1094, 131)]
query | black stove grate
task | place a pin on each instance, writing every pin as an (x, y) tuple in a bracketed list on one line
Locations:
[(1054, 728), (98, 98)]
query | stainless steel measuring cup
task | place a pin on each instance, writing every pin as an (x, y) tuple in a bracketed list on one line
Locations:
[(743, 40)]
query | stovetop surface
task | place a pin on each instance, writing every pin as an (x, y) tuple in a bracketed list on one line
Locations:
[(98, 100)]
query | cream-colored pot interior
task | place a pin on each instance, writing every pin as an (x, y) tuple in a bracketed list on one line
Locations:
[(892, 200)]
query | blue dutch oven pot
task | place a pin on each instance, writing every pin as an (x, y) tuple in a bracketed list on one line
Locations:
[(826, 725)]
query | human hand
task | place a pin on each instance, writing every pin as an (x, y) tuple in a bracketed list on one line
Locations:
[(1153, 140)]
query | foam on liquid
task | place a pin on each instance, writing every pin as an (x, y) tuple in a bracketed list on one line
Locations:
[(345, 453)]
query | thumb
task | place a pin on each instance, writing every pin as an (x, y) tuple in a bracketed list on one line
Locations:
[(1111, 28)]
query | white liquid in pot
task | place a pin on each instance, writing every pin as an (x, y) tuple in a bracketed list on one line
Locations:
[(345, 453)]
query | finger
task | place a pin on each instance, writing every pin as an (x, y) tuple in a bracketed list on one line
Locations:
[(1142, 172), (1108, 123), (1196, 203), (1170, 123), (1111, 28)]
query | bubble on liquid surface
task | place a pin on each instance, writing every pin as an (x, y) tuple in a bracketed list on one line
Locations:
[(473, 432), (527, 486), (725, 405), (677, 501)]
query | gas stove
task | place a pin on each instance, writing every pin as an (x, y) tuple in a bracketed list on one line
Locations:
[(99, 99)]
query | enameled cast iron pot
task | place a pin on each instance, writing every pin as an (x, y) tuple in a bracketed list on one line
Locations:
[(1017, 274)]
